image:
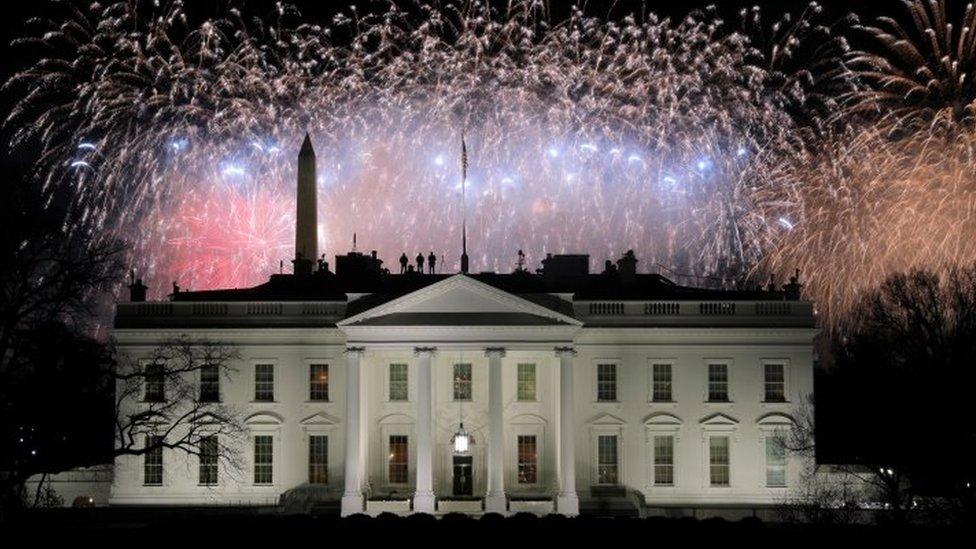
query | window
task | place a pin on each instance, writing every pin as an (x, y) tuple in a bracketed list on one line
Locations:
[(152, 468), (526, 382), (264, 382), (155, 383), (775, 383), (318, 382), (528, 472), (718, 460), (208, 460), (718, 383), (606, 382), (462, 382), (398, 382), (661, 383), (775, 461), (318, 459), (664, 460), (209, 383), (263, 459), (398, 459), (606, 459)]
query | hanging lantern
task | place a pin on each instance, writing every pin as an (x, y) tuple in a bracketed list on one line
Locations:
[(461, 441)]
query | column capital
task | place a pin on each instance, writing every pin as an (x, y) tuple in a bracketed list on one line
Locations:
[(421, 351), (360, 351), (494, 352), (567, 351)]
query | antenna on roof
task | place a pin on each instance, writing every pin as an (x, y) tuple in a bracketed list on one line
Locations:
[(464, 220), (354, 242)]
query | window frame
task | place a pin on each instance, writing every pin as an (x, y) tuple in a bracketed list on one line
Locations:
[(729, 398), (455, 382), (785, 363), (768, 436), (324, 473), (215, 466), (254, 381), (598, 464), (709, 436), (254, 459), (615, 364), (158, 457), (534, 368), (390, 480), (146, 382), (652, 367), (201, 382), (312, 397), (672, 436), (405, 382), (536, 474)]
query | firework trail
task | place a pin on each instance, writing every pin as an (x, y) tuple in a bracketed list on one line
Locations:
[(708, 149)]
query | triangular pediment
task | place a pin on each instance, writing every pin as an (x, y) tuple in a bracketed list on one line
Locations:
[(459, 300)]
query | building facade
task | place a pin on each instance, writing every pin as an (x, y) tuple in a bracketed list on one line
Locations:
[(572, 386)]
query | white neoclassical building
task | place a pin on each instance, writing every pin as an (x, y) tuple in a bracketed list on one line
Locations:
[(577, 390)]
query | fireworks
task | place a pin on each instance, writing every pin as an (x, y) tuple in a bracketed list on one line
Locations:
[(710, 150)]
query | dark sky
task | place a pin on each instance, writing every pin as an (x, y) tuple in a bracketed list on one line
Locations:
[(15, 14)]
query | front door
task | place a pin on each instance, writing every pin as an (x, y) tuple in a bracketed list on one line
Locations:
[(462, 476)]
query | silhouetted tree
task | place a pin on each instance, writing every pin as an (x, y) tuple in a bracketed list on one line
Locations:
[(894, 406)]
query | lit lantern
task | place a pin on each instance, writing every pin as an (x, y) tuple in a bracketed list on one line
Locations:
[(461, 441)]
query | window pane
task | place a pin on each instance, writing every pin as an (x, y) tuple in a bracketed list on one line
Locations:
[(718, 460), (462, 382), (718, 383), (527, 460), (775, 462), (526, 382), (264, 382), (263, 459), (319, 382), (661, 383), (606, 382), (208, 460), (775, 383), (607, 459), (153, 461), (664, 460), (398, 382), (398, 459), (209, 383), (155, 383), (318, 459)]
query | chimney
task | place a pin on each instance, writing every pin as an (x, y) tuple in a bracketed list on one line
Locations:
[(306, 220), (137, 290), (627, 267), (792, 290)]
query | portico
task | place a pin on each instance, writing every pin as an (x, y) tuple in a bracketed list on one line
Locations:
[(501, 365)]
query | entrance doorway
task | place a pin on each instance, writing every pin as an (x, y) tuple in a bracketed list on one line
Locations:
[(463, 484)]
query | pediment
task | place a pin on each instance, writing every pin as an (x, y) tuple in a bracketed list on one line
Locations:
[(455, 301), (606, 419), (320, 418), (662, 418), (776, 419), (719, 420), (264, 418)]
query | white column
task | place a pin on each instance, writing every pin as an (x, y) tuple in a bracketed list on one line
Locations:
[(352, 498), (423, 497), (567, 502), (495, 499)]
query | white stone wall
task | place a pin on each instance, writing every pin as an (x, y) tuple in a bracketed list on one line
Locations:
[(291, 418)]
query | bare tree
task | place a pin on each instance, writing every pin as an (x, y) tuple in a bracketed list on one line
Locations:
[(160, 401), (889, 411)]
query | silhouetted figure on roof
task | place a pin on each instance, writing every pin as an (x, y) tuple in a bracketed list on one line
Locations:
[(403, 263), (420, 263), (431, 261)]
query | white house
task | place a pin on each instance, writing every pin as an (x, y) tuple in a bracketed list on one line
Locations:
[(574, 387)]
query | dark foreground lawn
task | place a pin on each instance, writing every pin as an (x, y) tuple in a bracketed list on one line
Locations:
[(179, 529)]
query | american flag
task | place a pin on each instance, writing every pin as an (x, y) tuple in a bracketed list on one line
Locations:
[(464, 160)]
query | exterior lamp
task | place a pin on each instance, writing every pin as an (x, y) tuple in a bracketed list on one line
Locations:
[(461, 441)]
